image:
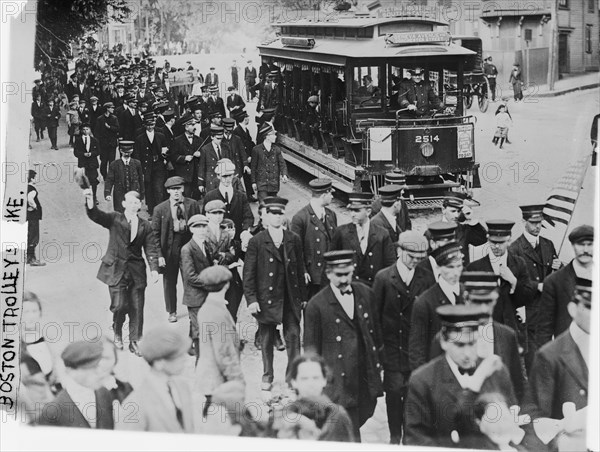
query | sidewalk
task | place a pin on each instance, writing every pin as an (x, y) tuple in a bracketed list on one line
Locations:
[(570, 83)]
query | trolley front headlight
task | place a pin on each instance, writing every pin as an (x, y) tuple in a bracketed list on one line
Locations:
[(426, 150)]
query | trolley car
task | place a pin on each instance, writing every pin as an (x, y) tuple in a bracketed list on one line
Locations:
[(356, 65)]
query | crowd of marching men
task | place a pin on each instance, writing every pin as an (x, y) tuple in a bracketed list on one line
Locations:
[(382, 309)]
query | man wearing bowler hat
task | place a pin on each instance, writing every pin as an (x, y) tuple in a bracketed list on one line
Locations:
[(541, 260), (373, 246), (516, 289), (170, 226), (124, 175), (395, 289), (315, 224), (558, 288), (341, 326), (274, 286), (184, 156), (107, 133), (268, 164)]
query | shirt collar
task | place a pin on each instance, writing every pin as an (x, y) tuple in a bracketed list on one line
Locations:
[(404, 271), (581, 271), (173, 202), (390, 218), (316, 207), (582, 340), (224, 190), (365, 227), (276, 233), (449, 291), (74, 389), (130, 218), (497, 261), (531, 238)]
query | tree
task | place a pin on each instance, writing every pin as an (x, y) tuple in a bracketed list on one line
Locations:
[(61, 22)]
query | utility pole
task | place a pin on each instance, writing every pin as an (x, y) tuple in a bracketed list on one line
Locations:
[(553, 54)]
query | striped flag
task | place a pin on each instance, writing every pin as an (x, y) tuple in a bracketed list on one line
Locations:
[(561, 202)]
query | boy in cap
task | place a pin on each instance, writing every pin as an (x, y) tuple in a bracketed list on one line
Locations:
[(558, 288), (541, 260), (87, 150), (170, 226), (516, 289), (274, 285), (340, 325), (395, 289), (315, 224), (82, 390), (163, 400), (124, 175), (34, 215), (440, 391), (107, 133), (268, 164), (220, 345), (195, 257), (424, 322), (373, 246)]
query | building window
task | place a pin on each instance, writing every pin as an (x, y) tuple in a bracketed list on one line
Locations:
[(588, 38), (564, 4)]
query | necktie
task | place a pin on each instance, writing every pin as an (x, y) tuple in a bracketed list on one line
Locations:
[(85, 141), (362, 238), (469, 372), (219, 152), (227, 198), (175, 400)]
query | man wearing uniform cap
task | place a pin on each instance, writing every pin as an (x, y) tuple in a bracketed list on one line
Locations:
[(341, 326), (86, 149), (312, 123), (124, 175), (241, 130), (151, 149), (184, 156), (269, 93), (211, 153), (267, 164), (516, 289), (237, 207), (250, 80), (107, 133), (168, 120), (235, 102), (315, 224), (373, 246), (541, 260), (234, 148), (220, 346), (170, 226), (274, 286), (195, 257), (420, 96), (395, 289), (560, 371), (215, 103), (424, 322), (438, 234), (129, 119), (163, 400), (403, 221), (481, 289), (391, 208), (82, 390), (439, 391), (212, 79), (34, 216), (558, 288), (491, 72)]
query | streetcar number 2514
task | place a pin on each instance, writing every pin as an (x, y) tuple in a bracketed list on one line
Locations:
[(426, 138)]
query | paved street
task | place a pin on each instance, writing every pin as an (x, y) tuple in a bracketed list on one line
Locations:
[(544, 134)]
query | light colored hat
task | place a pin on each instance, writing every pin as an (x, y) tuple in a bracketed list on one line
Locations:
[(224, 167)]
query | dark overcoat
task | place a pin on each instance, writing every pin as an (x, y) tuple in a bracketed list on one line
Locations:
[(192, 262), (267, 167), (238, 210), (162, 224), (62, 412)]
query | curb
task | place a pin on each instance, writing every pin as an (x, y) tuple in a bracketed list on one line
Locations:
[(568, 90)]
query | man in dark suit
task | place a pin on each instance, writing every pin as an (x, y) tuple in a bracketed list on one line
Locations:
[(235, 102), (373, 246), (237, 208), (250, 80), (424, 321), (274, 286), (340, 325), (151, 149), (215, 103), (516, 289), (420, 97), (107, 133), (123, 268), (129, 119), (83, 111), (37, 112), (560, 370), (403, 222), (95, 110), (124, 175), (267, 164), (34, 216), (87, 150), (241, 130), (438, 234), (170, 225), (541, 260), (195, 257), (395, 289), (440, 390), (269, 94), (212, 79), (391, 208), (184, 157), (315, 224), (211, 153), (558, 287), (83, 402), (51, 114), (234, 148)]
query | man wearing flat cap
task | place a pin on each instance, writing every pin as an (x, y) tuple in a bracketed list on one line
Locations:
[(395, 289), (560, 371), (151, 149), (516, 288), (95, 110), (439, 391), (373, 246), (315, 224), (268, 166), (124, 175), (170, 226), (163, 401), (195, 257), (107, 133), (83, 402), (341, 326), (184, 156), (274, 286), (541, 260), (558, 288)]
